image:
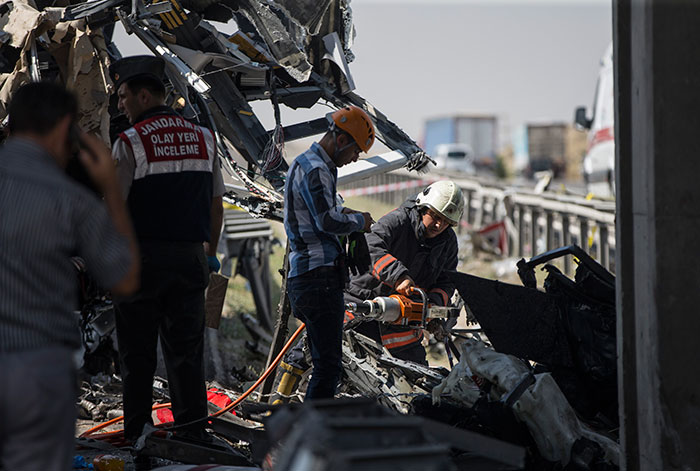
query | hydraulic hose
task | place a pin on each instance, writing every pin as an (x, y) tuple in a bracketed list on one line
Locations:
[(88, 433)]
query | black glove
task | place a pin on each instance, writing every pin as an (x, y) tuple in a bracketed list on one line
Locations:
[(357, 257)]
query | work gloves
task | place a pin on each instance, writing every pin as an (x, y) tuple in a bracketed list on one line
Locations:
[(357, 259), (213, 263)]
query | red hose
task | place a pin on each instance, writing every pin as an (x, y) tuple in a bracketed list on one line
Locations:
[(264, 376)]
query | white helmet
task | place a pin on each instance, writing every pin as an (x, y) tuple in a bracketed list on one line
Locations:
[(445, 198)]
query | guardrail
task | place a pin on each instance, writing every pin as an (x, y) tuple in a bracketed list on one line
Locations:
[(533, 222)]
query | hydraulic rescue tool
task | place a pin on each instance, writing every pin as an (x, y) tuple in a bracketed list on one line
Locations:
[(401, 310)]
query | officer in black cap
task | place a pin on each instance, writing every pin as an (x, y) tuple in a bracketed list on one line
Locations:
[(169, 170), (122, 71)]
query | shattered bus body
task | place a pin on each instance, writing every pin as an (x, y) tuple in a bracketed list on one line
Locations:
[(289, 53), (292, 54), (551, 363)]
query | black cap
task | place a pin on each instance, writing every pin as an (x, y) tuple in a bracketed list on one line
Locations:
[(136, 66)]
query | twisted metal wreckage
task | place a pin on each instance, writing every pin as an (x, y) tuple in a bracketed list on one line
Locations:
[(542, 397)]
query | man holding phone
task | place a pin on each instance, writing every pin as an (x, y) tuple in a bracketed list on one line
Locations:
[(45, 219), (170, 174)]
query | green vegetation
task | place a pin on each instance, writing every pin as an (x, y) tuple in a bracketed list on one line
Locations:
[(500, 169)]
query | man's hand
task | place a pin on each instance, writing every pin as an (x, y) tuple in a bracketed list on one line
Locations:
[(97, 159), (213, 263), (368, 222), (367, 216), (98, 163), (404, 285)]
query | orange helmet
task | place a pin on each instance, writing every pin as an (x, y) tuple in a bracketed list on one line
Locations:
[(357, 123)]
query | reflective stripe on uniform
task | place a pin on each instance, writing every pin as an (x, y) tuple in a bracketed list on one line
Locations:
[(382, 263), (442, 293), (139, 153), (210, 143), (348, 316), (193, 151), (400, 339)]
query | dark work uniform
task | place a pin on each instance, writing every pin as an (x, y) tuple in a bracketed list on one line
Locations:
[(398, 247), (168, 167)]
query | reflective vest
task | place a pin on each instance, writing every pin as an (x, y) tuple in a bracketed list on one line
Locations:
[(403, 338), (170, 196)]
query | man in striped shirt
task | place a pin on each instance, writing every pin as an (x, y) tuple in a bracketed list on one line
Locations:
[(313, 221), (45, 219)]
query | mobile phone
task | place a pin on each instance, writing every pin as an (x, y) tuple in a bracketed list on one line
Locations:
[(75, 168), (77, 143), (74, 139)]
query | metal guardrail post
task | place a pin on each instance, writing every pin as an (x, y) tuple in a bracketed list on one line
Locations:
[(534, 228), (566, 236), (521, 230), (479, 217), (510, 213), (470, 202), (583, 234), (494, 209), (550, 230), (604, 246)]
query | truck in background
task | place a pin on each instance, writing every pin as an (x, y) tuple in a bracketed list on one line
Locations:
[(478, 133), (599, 161), (556, 147)]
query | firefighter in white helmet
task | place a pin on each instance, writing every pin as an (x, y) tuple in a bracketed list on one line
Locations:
[(413, 245)]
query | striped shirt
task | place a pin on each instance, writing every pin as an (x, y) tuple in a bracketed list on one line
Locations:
[(312, 218), (45, 218)]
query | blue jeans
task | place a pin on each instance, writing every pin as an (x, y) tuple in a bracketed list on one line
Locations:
[(316, 299)]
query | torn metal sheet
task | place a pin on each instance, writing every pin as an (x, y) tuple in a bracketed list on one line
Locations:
[(370, 166), (554, 424), (188, 451), (79, 53), (24, 24), (214, 76), (363, 375), (458, 385), (283, 36), (283, 26), (541, 405), (355, 434), (569, 330), (308, 13), (519, 321), (335, 54)]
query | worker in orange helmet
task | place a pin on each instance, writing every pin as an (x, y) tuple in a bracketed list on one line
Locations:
[(314, 221)]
